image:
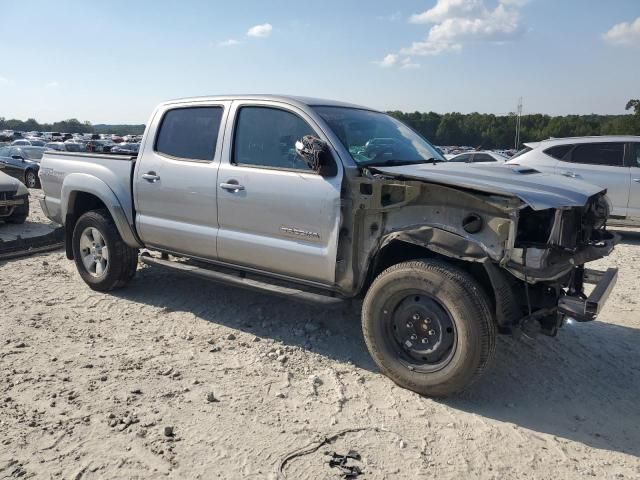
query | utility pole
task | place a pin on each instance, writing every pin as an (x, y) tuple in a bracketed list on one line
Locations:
[(518, 117)]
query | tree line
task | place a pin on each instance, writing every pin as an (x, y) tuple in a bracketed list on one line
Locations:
[(473, 129), (498, 131), (71, 125)]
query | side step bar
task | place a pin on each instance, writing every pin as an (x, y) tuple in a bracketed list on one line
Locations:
[(243, 282)]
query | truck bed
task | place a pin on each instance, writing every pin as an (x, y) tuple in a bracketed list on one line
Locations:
[(114, 170)]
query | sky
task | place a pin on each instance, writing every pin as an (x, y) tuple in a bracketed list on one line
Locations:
[(113, 61)]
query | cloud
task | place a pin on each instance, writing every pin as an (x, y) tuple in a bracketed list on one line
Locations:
[(3, 80), (624, 34), (457, 22), (230, 42), (389, 60), (52, 84), (396, 60), (260, 31), (445, 9), (408, 63)]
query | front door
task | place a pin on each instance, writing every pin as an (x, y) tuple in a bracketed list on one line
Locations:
[(275, 214), (175, 179), (601, 164)]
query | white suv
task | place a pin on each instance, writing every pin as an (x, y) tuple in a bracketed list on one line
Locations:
[(611, 162)]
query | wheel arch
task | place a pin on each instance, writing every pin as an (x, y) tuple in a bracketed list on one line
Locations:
[(489, 276), (82, 193)]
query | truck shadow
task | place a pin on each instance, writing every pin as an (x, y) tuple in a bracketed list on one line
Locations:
[(581, 386), (628, 237)]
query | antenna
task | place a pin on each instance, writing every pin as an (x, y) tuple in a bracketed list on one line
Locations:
[(518, 117)]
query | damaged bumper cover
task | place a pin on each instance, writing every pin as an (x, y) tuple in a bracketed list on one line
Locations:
[(586, 309)]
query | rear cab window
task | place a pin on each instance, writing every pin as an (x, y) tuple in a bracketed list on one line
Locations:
[(189, 133), (606, 154), (635, 155)]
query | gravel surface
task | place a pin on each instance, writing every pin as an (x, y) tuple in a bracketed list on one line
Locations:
[(176, 377)]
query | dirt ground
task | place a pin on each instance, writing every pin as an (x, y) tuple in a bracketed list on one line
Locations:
[(174, 377)]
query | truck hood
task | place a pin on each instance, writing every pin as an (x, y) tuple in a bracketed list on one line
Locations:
[(538, 190)]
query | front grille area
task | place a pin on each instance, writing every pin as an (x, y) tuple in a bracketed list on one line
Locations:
[(8, 202)]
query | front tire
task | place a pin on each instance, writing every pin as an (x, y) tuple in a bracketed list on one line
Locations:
[(102, 258), (429, 327)]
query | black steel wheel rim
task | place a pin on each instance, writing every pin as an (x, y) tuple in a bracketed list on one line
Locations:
[(421, 331)]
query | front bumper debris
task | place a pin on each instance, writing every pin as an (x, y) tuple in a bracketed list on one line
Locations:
[(585, 309)]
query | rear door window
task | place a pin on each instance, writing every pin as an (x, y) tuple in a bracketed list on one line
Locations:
[(559, 151), (609, 154), (190, 133)]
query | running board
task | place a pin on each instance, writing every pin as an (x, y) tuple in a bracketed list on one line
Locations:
[(243, 282)]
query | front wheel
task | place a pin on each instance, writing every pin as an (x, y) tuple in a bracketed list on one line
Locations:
[(429, 327), (102, 258)]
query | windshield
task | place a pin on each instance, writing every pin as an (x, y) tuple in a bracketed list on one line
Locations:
[(374, 138)]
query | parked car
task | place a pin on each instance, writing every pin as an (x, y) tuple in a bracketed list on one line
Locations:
[(36, 142), (485, 156), (611, 162), (59, 146), (14, 199), (128, 148), (281, 194), (21, 142), (22, 163)]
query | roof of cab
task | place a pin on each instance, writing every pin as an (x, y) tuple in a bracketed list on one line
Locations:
[(290, 99)]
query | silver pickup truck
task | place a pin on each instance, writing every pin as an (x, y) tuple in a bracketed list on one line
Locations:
[(322, 201)]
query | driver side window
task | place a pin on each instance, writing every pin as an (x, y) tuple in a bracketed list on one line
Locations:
[(266, 137)]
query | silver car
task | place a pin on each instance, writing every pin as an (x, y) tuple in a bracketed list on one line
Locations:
[(611, 162)]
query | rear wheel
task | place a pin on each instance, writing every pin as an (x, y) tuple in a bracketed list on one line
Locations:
[(428, 326), (31, 179), (102, 258)]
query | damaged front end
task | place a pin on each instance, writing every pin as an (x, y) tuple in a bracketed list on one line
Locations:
[(550, 250), (531, 252)]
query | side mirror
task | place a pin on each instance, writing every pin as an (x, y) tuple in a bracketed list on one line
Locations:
[(315, 154)]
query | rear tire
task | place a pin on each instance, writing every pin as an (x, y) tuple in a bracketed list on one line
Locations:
[(102, 258), (31, 179), (428, 327)]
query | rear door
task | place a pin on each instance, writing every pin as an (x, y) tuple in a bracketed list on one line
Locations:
[(175, 179), (276, 214), (601, 164), (634, 185)]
